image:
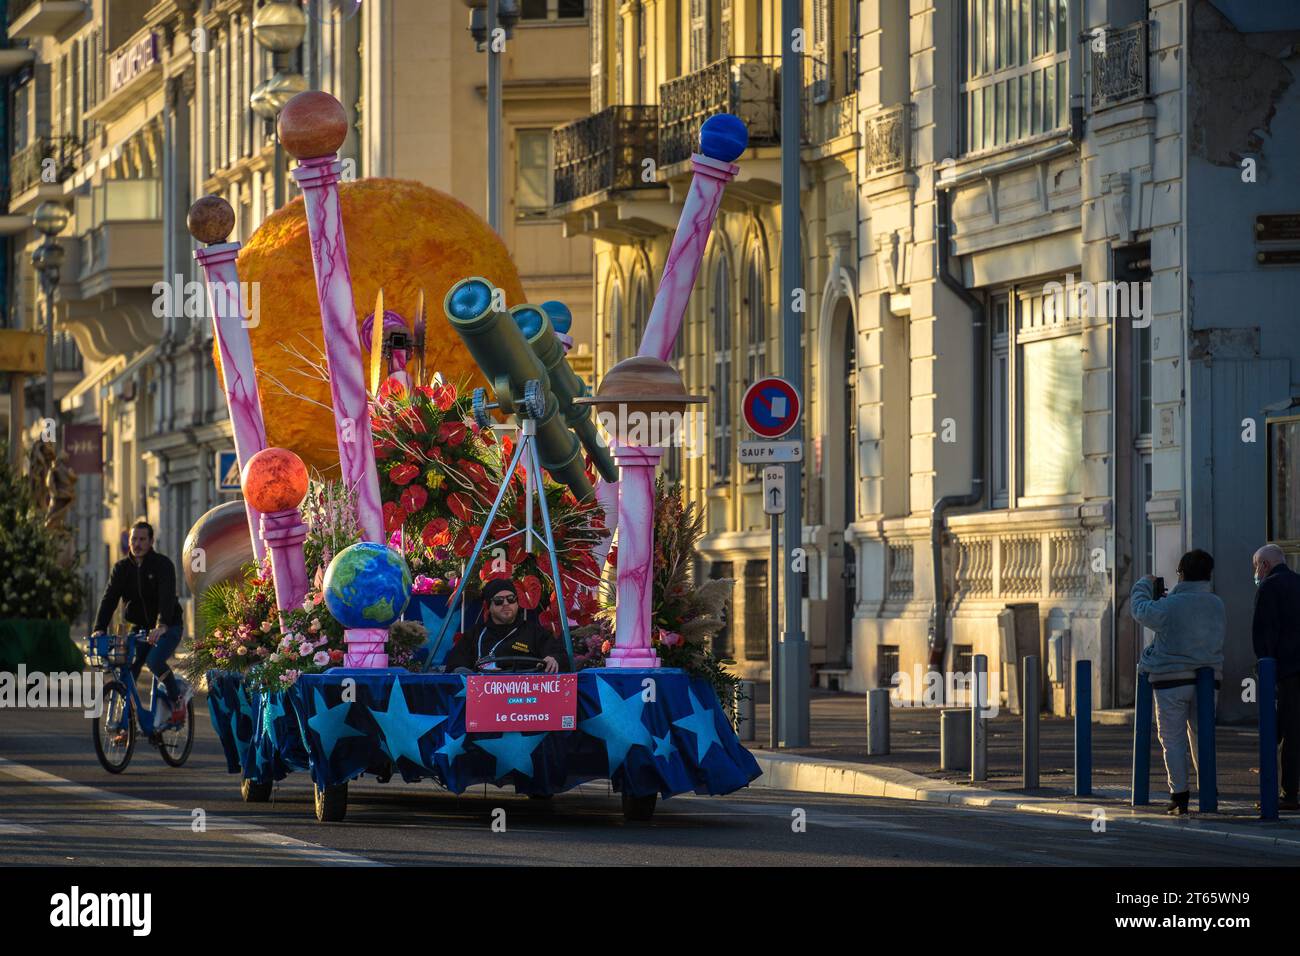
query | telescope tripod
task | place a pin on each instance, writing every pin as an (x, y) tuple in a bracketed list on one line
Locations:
[(527, 413)]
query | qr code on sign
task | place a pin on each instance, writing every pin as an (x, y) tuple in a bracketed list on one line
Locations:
[(566, 723)]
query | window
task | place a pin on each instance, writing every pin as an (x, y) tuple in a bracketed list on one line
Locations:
[(640, 314), (640, 95), (756, 318), (1035, 396), (720, 390), (1017, 71), (886, 665), (533, 10), (618, 60), (700, 34), (552, 9), (615, 332), (533, 173), (756, 598)]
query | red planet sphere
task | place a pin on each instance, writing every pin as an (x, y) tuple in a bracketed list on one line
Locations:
[(275, 479)]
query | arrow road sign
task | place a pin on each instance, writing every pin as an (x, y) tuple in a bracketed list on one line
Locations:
[(774, 490)]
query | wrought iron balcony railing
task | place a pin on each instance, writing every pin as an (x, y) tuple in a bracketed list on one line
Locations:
[(603, 151), (743, 85), (29, 165), (888, 141), (1118, 66)]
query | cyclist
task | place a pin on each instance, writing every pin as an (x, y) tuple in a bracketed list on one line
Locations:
[(146, 580)]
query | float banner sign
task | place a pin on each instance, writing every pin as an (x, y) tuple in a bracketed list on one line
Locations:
[(527, 702)]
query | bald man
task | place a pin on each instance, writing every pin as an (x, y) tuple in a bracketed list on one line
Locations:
[(1275, 631)]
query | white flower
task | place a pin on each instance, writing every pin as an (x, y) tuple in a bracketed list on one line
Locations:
[(274, 658), (242, 650)]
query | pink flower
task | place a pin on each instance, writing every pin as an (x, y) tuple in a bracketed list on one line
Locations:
[(670, 639), (321, 658), (305, 648)]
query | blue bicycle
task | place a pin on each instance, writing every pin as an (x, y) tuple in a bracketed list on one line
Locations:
[(114, 730)]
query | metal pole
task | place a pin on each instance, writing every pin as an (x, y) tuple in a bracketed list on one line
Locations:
[(1083, 728), (979, 743), (878, 721), (1206, 770), (774, 635), (1142, 743), (1029, 707), (794, 649), (493, 121), (1267, 738), (48, 287), (745, 710)]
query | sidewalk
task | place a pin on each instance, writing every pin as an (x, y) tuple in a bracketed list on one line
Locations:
[(837, 762)]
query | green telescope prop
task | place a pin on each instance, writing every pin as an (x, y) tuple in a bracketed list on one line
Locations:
[(565, 385), (509, 363)]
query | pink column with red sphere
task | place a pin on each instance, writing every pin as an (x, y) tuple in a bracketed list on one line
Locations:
[(312, 127), (275, 482)]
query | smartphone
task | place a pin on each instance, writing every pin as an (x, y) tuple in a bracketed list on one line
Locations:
[(1159, 590)]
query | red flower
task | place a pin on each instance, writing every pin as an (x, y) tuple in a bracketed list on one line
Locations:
[(393, 516), (466, 538), (530, 592), (413, 420), (414, 498), (384, 448), (491, 570), (515, 551), (435, 533), (476, 472), (507, 449), (452, 433), (336, 656), (391, 388), (444, 396), (459, 505), (403, 473)]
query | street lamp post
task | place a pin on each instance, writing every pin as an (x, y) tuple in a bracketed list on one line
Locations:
[(279, 26), (486, 16), (50, 220)]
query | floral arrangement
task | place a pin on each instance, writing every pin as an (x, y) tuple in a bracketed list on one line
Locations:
[(439, 473), (39, 581)]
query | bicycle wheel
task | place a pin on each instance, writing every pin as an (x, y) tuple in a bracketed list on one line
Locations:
[(174, 743), (114, 729)]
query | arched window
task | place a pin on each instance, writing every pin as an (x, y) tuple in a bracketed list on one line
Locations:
[(615, 333), (756, 316), (640, 313), (720, 390)]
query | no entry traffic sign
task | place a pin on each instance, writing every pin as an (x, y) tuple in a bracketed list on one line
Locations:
[(771, 407)]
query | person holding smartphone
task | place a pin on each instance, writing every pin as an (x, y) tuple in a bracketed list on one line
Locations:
[(1190, 625)]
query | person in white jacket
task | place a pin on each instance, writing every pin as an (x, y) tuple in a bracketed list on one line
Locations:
[(1190, 625)]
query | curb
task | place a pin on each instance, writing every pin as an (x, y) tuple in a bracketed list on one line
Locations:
[(841, 777)]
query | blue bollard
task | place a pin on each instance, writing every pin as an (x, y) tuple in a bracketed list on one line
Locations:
[(1083, 728), (1266, 695), (1142, 742), (1206, 770)]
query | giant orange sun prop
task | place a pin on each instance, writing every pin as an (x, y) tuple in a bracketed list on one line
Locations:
[(403, 237)]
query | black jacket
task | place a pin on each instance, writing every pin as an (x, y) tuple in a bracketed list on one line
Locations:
[(528, 638), (149, 590), (1276, 625)]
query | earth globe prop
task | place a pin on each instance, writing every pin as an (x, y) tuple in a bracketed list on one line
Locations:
[(366, 587), (275, 482)]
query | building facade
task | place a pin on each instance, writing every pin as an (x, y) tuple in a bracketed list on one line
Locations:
[(1025, 224), (127, 111)]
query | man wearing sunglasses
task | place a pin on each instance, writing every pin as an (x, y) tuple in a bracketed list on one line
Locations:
[(505, 631)]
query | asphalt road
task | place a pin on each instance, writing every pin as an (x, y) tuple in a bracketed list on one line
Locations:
[(58, 806)]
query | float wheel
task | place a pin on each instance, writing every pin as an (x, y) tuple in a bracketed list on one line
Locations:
[(254, 792), (331, 802), (638, 809)]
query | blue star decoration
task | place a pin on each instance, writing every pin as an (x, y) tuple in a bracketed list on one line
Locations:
[(701, 724), (514, 751), (273, 708), (618, 724), (402, 729), (452, 748), (330, 723), (664, 746)]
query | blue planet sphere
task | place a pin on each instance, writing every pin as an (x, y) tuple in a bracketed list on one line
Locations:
[(561, 317), (367, 585), (529, 321), (723, 136)]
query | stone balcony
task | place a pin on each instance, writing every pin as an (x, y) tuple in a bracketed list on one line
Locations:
[(43, 18)]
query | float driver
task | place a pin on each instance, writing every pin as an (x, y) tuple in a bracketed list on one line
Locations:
[(505, 631)]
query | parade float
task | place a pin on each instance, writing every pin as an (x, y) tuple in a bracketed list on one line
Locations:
[(465, 449)]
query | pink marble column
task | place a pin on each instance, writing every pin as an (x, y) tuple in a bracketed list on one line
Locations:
[(366, 647), (634, 614), (686, 254), (284, 533), (210, 221), (313, 126)]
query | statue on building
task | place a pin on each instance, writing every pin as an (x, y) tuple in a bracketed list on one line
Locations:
[(39, 461), (60, 492)]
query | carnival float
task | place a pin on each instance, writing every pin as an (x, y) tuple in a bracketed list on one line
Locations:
[(464, 449)]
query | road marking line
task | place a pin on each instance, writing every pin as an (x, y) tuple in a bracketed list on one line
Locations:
[(8, 827), (134, 808)]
